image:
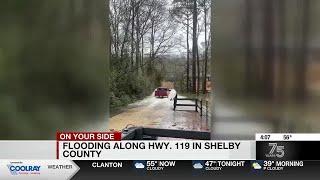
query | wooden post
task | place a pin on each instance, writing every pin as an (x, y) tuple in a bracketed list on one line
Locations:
[(206, 109), (175, 102), (201, 107), (196, 105)]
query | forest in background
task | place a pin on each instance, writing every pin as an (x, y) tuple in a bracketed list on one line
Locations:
[(149, 38)]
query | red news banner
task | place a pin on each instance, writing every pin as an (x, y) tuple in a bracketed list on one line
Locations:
[(86, 136)]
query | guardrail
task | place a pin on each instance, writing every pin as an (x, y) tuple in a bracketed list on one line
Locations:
[(198, 104), (141, 133), (175, 102)]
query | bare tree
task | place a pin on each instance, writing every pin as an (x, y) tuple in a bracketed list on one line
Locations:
[(132, 30), (182, 11), (194, 45), (206, 7), (132, 21)]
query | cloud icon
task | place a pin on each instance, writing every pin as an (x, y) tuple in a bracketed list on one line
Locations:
[(139, 165), (197, 166), (256, 165)]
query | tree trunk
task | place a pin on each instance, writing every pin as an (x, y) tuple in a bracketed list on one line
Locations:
[(142, 46), (188, 58), (125, 39), (194, 46), (152, 41), (204, 86), (137, 40), (132, 32), (198, 71)]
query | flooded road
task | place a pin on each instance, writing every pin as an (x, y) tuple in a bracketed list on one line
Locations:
[(230, 121), (158, 113)]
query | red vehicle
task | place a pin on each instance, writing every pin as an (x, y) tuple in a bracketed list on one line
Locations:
[(161, 92)]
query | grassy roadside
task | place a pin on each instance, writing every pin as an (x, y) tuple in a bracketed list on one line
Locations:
[(121, 105)]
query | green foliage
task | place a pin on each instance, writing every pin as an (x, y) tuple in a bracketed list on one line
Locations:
[(127, 85)]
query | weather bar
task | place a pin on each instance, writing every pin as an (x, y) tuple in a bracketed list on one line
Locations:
[(288, 137)]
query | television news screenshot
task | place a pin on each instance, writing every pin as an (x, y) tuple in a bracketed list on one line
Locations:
[(159, 89)]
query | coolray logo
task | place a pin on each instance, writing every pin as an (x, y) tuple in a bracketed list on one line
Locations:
[(13, 172), (275, 151), (23, 169)]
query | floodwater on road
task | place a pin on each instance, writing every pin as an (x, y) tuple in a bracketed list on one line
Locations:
[(158, 113), (236, 120)]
